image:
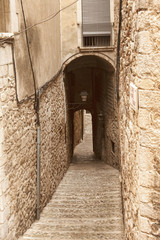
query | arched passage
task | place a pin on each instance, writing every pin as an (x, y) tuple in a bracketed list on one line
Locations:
[(95, 77)]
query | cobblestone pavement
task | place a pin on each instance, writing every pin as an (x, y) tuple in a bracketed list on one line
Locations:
[(86, 205)]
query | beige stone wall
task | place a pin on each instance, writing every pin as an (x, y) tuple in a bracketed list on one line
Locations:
[(78, 127), (140, 132), (18, 155), (54, 139), (111, 148), (18, 149), (87, 123)]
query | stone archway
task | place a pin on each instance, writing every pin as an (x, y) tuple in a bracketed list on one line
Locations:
[(96, 76)]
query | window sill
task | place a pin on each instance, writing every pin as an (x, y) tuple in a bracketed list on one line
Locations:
[(97, 49)]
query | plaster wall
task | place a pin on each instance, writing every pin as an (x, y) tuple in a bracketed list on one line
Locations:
[(43, 42), (8, 16), (140, 130)]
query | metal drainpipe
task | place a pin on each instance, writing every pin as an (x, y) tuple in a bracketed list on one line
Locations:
[(38, 169), (38, 157), (117, 86), (118, 50)]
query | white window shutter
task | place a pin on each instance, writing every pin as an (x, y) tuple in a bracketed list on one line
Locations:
[(96, 17)]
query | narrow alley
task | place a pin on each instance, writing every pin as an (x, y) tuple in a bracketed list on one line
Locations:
[(86, 205)]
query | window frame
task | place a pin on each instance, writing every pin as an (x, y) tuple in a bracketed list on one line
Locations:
[(80, 26)]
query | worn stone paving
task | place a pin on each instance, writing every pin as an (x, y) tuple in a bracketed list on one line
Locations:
[(86, 205)]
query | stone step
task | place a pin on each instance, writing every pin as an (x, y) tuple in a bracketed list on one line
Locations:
[(81, 209), (86, 194), (86, 206), (70, 200), (81, 214), (79, 221), (75, 228), (74, 236)]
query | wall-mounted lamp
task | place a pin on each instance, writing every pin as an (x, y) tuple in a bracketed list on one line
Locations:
[(100, 116), (84, 96)]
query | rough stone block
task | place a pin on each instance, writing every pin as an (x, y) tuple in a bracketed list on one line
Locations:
[(1, 151), (148, 66), (2, 174), (3, 70), (2, 202), (145, 194), (144, 236), (143, 42), (146, 84), (145, 158), (11, 70), (150, 210), (144, 118), (156, 3), (3, 230), (144, 225), (149, 179), (1, 135), (149, 99), (6, 55), (150, 138), (142, 4), (2, 160), (5, 185), (3, 97), (3, 216)]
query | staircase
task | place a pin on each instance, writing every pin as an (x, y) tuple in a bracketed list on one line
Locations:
[(87, 203)]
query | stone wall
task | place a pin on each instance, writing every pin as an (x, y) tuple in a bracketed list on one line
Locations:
[(139, 131), (87, 123), (78, 127), (54, 139), (18, 149), (18, 155), (111, 148)]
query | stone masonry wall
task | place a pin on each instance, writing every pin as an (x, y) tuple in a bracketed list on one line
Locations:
[(77, 127), (18, 149), (87, 123), (140, 131), (54, 146), (111, 129), (17, 155)]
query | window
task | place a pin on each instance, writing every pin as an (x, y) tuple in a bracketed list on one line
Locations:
[(96, 23)]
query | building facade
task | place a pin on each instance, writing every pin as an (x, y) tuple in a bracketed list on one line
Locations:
[(53, 52)]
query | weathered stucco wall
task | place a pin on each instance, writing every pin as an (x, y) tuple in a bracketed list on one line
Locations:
[(43, 42), (4, 15), (8, 16), (140, 130), (18, 149), (69, 33)]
